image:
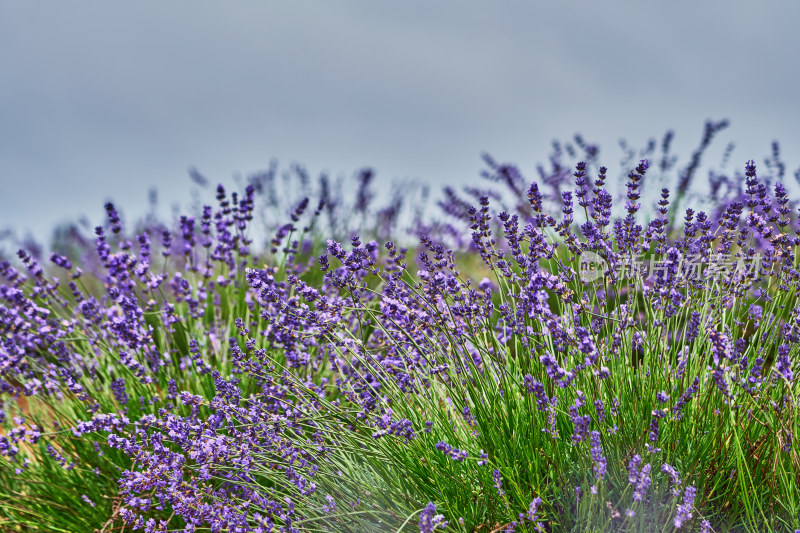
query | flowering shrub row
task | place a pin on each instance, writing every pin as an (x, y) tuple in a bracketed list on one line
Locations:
[(184, 383)]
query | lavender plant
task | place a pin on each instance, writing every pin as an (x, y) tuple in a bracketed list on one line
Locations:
[(565, 371)]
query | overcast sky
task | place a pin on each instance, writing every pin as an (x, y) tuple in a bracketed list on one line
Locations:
[(104, 100)]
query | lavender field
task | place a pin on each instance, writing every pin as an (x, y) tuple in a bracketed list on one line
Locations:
[(587, 349)]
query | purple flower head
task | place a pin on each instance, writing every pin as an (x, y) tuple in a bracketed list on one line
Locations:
[(783, 364), (600, 464), (600, 409), (684, 512), (581, 423), (635, 177), (113, 218), (755, 312), (61, 261), (498, 483), (642, 484), (720, 346), (330, 506), (429, 520), (536, 388), (533, 509), (685, 398), (453, 453), (484, 458), (673, 475), (633, 469), (721, 382), (582, 182), (118, 388)]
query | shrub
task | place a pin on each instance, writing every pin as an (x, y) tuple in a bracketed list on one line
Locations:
[(587, 373)]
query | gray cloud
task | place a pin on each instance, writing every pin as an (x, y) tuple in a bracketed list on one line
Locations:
[(104, 101)]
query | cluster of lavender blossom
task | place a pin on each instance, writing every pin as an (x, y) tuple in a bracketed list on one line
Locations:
[(331, 385)]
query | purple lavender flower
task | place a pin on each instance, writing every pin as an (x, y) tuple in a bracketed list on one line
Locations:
[(536, 388), (118, 388), (85, 498), (720, 346), (633, 469), (600, 410), (429, 520), (674, 476), (113, 218), (581, 424), (783, 364), (684, 512), (330, 506), (755, 313), (533, 510), (685, 398), (599, 460), (61, 261), (453, 453), (498, 483), (642, 484), (721, 382)]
